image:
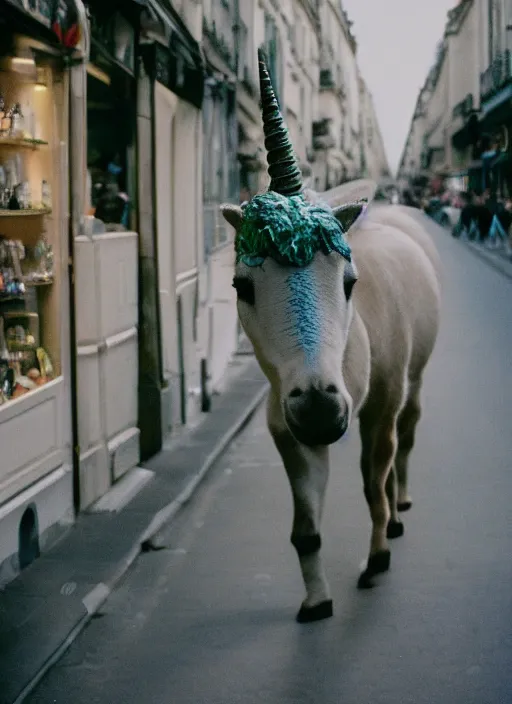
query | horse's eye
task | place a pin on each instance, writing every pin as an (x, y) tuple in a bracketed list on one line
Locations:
[(349, 279), (245, 289)]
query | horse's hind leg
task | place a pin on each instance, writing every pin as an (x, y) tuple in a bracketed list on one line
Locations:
[(395, 527), (378, 436), (406, 428)]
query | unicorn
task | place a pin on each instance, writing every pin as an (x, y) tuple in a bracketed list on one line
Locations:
[(341, 302)]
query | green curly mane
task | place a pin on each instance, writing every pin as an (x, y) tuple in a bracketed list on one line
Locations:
[(289, 230), (281, 223)]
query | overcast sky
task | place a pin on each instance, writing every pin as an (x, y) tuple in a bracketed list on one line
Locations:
[(396, 47)]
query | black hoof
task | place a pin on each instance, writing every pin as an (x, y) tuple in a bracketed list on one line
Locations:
[(377, 563), (308, 614), (395, 529), (404, 506)]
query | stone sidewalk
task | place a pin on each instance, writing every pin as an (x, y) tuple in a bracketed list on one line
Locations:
[(49, 604), (498, 258)]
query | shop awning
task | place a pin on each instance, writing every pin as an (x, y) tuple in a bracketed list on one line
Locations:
[(468, 134), (176, 56), (131, 9), (65, 28), (494, 159), (497, 101), (502, 159), (176, 30)]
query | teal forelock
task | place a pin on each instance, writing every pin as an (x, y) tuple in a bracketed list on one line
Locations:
[(289, 230)]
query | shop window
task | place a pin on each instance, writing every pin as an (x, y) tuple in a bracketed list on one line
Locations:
[(110, 147), (220, 163), (32, 223)]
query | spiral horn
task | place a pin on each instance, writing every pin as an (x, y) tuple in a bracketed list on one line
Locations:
[(284, 172)]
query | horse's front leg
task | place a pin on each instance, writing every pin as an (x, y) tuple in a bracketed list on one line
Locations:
[(308, 470)]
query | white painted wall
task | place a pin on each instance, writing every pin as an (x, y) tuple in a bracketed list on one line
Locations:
[(180, 239), (165, 108), (107, 358)]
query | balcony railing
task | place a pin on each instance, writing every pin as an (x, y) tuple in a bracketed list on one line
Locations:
[(464, 107), (327, 78), (243, 49), (496, 76), (321, 127), (331, 80), (245, 59)]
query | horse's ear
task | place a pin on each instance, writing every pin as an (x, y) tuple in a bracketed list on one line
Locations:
[(347, 214), (233, 214)]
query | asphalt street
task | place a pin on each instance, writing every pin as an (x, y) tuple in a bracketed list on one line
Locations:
[(210, 618)]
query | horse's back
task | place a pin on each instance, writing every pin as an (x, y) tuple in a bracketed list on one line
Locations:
[(397, 295), (408, 221)]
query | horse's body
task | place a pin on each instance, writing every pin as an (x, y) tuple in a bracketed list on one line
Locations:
[(396, 304), (397, 301), (338, 336)]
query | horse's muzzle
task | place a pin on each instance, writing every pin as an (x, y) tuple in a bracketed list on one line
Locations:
[(316, 417)]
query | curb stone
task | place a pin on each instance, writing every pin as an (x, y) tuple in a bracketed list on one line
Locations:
[(89, 598), (497, 262)]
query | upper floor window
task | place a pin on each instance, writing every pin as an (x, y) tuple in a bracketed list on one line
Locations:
[(369, 131), (273, 51), (302, 116), (496, 29)]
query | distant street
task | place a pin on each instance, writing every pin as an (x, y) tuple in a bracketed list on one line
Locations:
[(209, 619)]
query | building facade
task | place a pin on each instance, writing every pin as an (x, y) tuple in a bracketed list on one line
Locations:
[(373, 159), (461, 126), (336, 129), (39, 464)]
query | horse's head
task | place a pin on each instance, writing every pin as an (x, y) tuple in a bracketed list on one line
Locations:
[(294, 277)]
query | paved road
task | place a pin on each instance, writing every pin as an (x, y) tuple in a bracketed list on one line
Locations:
[(210, 618)]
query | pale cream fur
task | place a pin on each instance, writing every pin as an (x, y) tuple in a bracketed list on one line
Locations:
[(387, 333)]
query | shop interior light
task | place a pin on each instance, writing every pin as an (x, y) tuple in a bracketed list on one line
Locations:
[(23, 61), (96, 72), (40, 83)]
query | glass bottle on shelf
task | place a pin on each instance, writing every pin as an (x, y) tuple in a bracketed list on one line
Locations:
[(4, 197), (28, 121), (25, 196), (46, 194), (16, 129), (4, 352)]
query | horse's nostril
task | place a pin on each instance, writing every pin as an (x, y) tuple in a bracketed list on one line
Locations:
[(332, 389), (295, 393)]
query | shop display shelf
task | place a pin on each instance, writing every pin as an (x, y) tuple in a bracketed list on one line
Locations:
[(33, 212), (43, 282), (20, 346), (10, 299), (22, 143)]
